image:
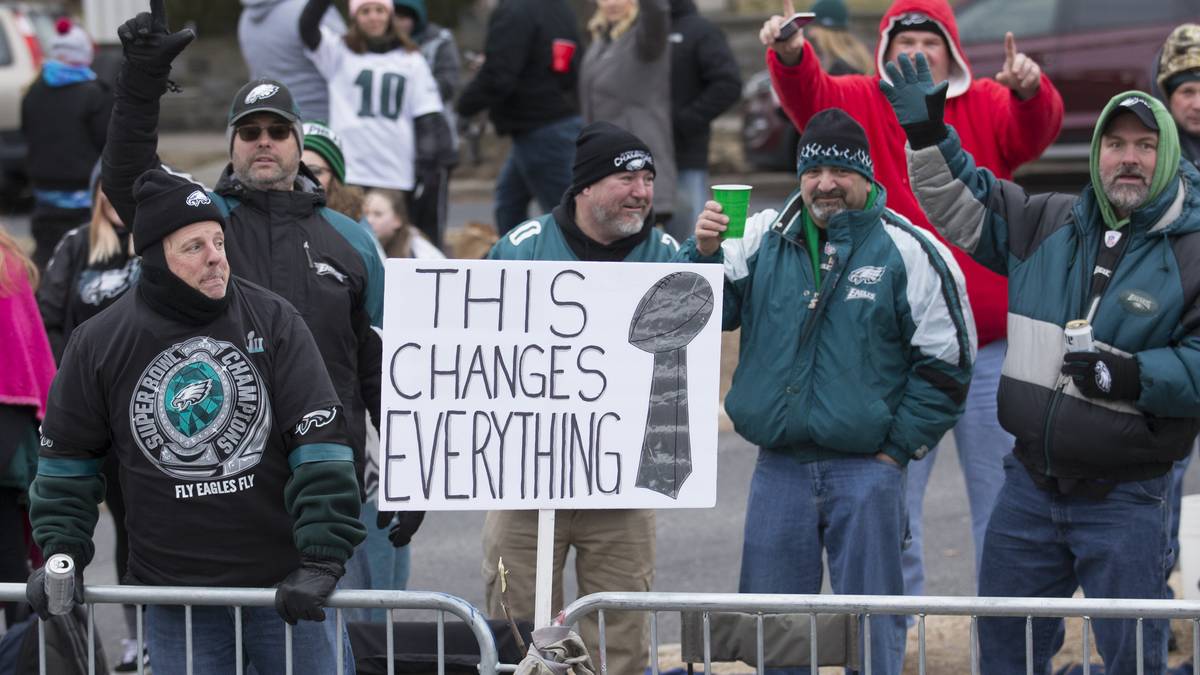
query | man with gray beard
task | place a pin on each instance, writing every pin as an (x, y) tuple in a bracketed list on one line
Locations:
[(605, 216), (1099, 386)]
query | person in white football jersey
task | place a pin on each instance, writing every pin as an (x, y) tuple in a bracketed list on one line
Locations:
[(383, 100)]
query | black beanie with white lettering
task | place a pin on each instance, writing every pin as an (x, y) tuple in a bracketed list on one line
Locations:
[(603, 149)]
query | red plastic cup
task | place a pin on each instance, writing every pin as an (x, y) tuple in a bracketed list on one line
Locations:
[(561, 52)]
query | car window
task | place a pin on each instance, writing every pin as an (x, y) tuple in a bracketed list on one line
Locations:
[(989, 20), (1085, 15)]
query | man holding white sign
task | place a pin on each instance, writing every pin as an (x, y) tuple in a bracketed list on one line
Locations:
[(856, 351), (605, 216)]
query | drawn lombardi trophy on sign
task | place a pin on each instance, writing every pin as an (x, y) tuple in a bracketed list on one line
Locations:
[(669, 316)]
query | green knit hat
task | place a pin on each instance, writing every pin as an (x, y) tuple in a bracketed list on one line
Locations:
[(831, 13), (321, 140)]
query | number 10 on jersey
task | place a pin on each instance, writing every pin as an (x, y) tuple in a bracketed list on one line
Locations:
[(391, 94)]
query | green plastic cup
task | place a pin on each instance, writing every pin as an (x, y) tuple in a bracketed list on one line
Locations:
[(734, 201)]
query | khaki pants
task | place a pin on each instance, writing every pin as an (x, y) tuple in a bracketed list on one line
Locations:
[(614, 551)]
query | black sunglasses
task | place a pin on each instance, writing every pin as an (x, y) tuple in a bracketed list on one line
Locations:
[(277, 132)]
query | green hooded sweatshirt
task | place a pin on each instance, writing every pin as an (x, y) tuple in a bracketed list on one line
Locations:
[(1165, 169)]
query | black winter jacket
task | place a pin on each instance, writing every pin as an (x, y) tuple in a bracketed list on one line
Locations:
[(704, 82), (73, 290), (517, 85), (65, 129), (320, 261)]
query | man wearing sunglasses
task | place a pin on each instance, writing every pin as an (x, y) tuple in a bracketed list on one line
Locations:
[(280, 234)]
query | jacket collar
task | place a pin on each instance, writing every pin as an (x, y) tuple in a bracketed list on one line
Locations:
[(846, 227), (304, 198)]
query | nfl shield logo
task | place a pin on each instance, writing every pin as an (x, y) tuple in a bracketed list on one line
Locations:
[(1112, 237)]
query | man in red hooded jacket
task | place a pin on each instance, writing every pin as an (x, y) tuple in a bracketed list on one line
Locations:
[(1003, 122)]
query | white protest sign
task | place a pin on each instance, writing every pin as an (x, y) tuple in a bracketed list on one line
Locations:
[(515, 385)]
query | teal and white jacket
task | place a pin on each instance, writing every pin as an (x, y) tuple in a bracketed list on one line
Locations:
[(877, 359), (1047, 245)]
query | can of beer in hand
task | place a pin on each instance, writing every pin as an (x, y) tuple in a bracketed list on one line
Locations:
[(60, 584), (1078, 336)]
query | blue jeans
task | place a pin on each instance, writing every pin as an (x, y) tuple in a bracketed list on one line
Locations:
[(313, 643), (982, 444), (1045, 545), (389, 566), (691, 191), (853, 508), (538, 167)]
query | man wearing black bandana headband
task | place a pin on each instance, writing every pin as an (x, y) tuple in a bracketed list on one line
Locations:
[(605, 216), (233, 447)]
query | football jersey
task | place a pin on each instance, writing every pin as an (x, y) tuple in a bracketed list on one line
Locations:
[(373, 100)]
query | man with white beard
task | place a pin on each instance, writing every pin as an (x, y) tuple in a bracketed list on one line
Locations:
[(605, 216)]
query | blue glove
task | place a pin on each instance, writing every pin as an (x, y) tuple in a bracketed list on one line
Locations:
[(919, 103)]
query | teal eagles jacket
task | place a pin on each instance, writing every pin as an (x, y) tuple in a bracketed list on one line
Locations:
[(1047, 246), (878, 359), (542, 239)]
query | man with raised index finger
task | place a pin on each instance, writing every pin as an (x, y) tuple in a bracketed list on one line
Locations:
[(1004, 122), (1101, 383), (280, 234), (235, 461)]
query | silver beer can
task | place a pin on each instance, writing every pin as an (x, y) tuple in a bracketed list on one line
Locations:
[(1078, 336), (60, 584)]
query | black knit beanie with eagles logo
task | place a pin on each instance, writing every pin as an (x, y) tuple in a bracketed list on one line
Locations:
[(603, 149), (833, 138), (167, 203)]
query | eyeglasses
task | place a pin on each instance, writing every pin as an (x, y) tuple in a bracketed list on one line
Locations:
[(277, 132)]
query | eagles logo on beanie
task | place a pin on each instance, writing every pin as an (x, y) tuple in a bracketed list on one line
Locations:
[(166, 203), (603, 149), (833, 138)]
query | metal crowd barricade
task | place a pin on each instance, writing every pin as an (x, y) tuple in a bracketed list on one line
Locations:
[(238, 598), (865, 605)]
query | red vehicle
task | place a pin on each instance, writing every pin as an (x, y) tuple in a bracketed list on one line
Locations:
[(1091, 50)]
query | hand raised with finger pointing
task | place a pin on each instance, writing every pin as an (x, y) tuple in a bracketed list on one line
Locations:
[(1020, 73), (148, 43), (790, 50)]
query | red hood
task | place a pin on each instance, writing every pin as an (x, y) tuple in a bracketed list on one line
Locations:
[(940, 12)]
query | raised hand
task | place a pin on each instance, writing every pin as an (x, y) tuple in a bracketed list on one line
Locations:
[(148, 43), (790, 50), (1020, 73), (920, 104), (912, 92), (709, 227)]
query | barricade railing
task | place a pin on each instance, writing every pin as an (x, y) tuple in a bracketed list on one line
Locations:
[(238, 598), (865, 606)]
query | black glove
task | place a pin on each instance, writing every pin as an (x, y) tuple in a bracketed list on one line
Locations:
[(1104, 375), (920, 104), (149, 50), (407, 524), (303, 593), (35, 592)]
